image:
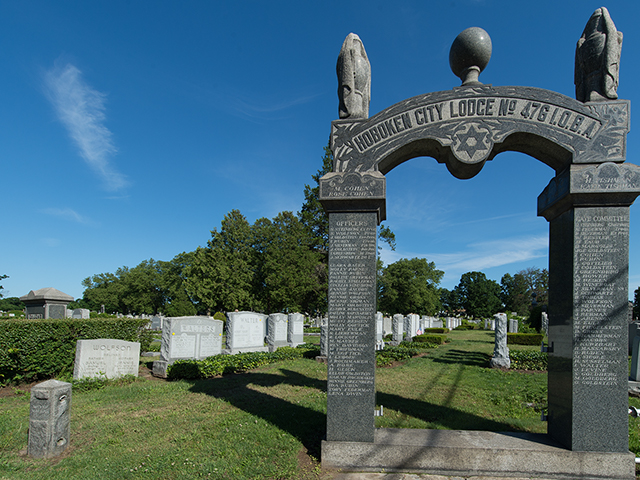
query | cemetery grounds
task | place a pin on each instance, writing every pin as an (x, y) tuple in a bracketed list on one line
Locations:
[(268, 423)]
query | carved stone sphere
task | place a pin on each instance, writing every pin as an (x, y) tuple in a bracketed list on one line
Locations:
[(470, 51)]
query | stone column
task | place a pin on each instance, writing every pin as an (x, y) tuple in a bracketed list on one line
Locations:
[(355, 203), (49, 427), (587, 207), (500, 357)]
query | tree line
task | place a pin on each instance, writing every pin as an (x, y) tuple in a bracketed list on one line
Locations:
[(281, 265)]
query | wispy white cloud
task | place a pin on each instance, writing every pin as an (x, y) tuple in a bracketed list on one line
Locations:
[(481, 255), (81, 108), (68, 214)]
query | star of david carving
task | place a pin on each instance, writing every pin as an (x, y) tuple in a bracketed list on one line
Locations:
[(472, 141)]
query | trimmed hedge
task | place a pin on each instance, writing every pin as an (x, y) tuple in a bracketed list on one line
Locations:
[(528, 360), (436, 330), (434, 339), (31, 350), (525, 338), (217, 365)]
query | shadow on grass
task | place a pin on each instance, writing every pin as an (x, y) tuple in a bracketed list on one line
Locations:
[(306, 424), (444, 417), (474, 359), (309, 425)]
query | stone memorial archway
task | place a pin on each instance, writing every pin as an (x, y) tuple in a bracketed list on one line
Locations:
[(587, 207)]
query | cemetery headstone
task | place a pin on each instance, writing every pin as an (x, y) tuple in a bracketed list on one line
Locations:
[(195, 337), (398, 328), (379, 327), (49, 419), (277, 331), (156, 322), (545, 323), (513, 325), (437, 323), (500, 357), (324, 337), (387, 326), (295, 332), (634, 374), (105, 357), (246, 332), (81, 313), (634, 329)]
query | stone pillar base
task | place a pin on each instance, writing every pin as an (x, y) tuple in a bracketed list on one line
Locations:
[(474, 453)]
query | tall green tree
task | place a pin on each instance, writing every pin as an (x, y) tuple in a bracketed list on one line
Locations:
[(515, 294), (104, 289), (410, 286), (312, 215), (537, 281), (2, 277), (479, 296), (450, 300), (221, 276), (176, 301), (287, 271)]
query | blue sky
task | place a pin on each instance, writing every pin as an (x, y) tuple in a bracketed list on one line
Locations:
[(129, 129)]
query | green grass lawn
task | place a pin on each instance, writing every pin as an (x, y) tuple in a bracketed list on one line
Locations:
[(267, 423)]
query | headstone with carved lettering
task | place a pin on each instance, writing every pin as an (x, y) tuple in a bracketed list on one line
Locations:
[(195, 337), (277, 330), (107, 358), (246, 332), (398, 328), (295, 329)]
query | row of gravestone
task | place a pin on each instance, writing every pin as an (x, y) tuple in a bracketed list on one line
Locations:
[(201, 337), (190, 338)]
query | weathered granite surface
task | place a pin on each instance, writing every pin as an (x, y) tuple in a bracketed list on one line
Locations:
[(49, 418)]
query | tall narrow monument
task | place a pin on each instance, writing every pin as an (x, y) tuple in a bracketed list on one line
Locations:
[(587, 206)]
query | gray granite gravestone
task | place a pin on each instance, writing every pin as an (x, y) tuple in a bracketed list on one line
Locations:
[(586, 205), (436, 323), (49, 418), (398, 328), (46, 303), (500, 357), (246, 332), (634, 371), (277, 330), (183, 338), (156, 322), (411, 326), (387, 326), (81, 313), (379, 327), (105, 357), (324, 337), (295, 329), (544, 328)]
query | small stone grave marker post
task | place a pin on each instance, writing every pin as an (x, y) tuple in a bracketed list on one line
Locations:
[(49, 415), (500, 357)]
